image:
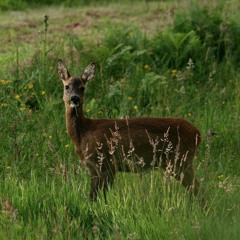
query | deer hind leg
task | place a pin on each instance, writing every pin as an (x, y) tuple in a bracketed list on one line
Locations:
[(108, 181), (99, 182), (187, 178), (95, 187), (184, 172)]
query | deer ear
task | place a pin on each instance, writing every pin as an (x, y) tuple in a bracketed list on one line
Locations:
[(62, 70), (88, 73)]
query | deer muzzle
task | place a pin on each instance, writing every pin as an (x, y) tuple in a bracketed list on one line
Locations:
[(74, 101)]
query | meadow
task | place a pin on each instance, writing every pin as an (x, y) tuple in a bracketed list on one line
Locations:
[(154, 58)]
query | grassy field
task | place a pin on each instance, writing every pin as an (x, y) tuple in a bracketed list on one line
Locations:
[(153, 59)]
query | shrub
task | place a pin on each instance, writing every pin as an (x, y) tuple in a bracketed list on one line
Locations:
[(173, 50), (218, 34)]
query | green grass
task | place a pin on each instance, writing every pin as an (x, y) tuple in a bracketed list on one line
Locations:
[(141, 71)]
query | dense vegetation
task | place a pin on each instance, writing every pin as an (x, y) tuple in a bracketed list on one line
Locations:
[(187, 68), (24, 4)]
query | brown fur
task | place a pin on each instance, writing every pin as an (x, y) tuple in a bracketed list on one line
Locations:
[(138, 144)]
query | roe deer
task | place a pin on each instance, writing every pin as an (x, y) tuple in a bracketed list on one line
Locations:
[(137, 144)]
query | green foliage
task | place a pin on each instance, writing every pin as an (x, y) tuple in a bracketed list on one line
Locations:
[(43, 187), (174, 49), (23, 4), (219, 35), (12, 4), (206, 23)]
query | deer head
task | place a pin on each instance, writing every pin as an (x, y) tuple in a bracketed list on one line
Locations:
[(74, 87)]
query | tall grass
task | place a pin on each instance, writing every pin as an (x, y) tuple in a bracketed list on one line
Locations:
[(43, 187)]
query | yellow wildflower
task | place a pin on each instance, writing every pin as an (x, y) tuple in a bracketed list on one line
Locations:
[(3, 104), (17, 96), (174, 72), (135, 107), (43, 92), (5, 81), (30, 86), (146, 67)]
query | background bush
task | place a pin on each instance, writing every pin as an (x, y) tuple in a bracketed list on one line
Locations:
[(23, 4)]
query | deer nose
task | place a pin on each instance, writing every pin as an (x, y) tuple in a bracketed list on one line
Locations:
[(74, 100)]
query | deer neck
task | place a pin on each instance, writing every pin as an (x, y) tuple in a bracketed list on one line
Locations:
[(76, 123)]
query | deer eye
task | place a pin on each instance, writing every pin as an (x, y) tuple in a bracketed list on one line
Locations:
[(67, 87)]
